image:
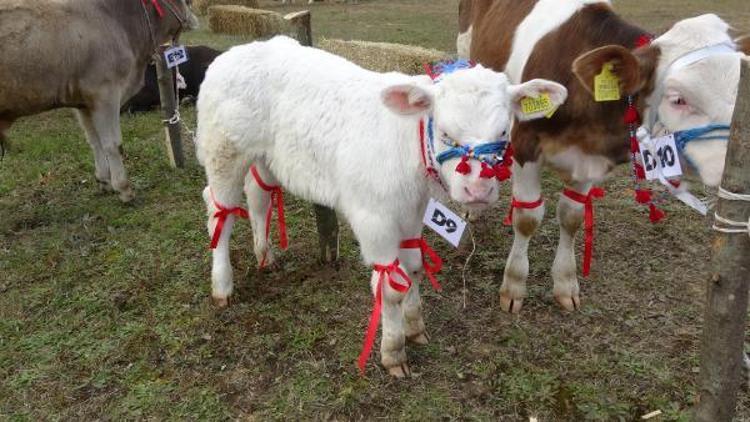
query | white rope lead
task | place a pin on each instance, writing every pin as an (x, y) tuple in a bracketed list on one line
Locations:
[(466, 264), (725, 225)]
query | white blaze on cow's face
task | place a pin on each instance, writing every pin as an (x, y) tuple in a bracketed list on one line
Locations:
[(703, 93), (472, 107)]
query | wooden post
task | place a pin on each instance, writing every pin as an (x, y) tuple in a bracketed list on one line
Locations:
[(166, 78), (726, 310), (328, 226)]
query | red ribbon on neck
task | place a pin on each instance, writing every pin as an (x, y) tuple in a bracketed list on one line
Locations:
[(372, 326), (277, 201), (431, 262), (221, 216), (157, 6), (588, 203), (514, 203)]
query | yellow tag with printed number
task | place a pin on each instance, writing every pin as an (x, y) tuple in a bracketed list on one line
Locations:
[(607, 84), (540, 104)]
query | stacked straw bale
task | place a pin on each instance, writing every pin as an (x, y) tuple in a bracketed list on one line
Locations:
[(383, 57), (239, 20), (200, 7)]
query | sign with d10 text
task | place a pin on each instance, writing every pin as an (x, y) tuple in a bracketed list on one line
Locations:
[(175, 56), (444, 222), (662, 158)]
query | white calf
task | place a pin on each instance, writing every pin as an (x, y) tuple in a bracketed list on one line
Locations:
[(360, 142)]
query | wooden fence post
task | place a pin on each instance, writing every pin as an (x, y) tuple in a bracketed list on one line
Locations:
[(165, 78), (328, 226), (726, 306)]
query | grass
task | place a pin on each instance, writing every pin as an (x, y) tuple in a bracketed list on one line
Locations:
[(104, 309)]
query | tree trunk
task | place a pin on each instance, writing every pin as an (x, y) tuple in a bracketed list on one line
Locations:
[(166, 80), (726, 310), (328, 226)]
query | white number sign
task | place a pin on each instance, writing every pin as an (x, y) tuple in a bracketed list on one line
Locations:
[(444, 222), (175, 56), (660, 158)]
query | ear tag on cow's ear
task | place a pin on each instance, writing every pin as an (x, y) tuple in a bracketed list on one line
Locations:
[(607, 84), (540, 104)]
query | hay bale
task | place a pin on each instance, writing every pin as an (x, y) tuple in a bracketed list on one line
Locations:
[(383, 57), (239, 20), (200, 7)]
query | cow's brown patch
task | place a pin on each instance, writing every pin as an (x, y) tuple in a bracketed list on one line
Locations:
[(526, 225), (743, 44), (495, 26)]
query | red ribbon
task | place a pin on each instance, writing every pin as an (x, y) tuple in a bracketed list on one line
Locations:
[(157, 6), (277, 200), (514, 203), (221, 216), (431, 262), (372, 326), (588, 203)]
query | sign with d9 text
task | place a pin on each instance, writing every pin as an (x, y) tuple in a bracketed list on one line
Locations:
[(175, 56), (662, 158), (444, 222)]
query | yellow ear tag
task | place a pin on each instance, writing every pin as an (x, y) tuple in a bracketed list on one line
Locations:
[(540, 104), (607, 84)]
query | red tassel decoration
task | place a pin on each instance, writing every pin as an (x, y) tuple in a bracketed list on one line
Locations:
[(463, 167), (640, 173), (631, 116), (643, 40), (502, 172), (655, 214), (487, 172), (643, 196), (634, 147)]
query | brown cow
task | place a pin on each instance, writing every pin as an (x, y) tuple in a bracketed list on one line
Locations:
[(86, 54), (685, 79)]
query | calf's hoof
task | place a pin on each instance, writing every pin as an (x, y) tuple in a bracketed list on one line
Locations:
[(127, 196), (105, 186), (400, 371), (420, 339), (220, 302), (569, 303), (509, 303)]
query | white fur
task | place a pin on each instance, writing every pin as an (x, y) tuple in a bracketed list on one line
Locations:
[(463, 43), (333, 133), (545, 17)]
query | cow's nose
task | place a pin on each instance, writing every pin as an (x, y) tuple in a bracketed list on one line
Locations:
[(479, 193)]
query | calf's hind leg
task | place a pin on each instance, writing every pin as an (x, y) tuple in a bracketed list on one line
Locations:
[(101, 171), (105, 118), (225, 169), (259, 208)]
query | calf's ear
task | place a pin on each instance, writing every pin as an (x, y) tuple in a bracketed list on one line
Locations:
[(407, 99), (535, 88), (633, 69), (743, 44)]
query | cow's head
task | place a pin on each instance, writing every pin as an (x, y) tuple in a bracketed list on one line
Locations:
[(469, 108), (689, 78), (170, 17)]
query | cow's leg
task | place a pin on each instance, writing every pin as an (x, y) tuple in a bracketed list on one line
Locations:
[(100, 158), (258, 206), (526, 188), (225, 170), (105, 117), (415, 329), (564, 269), (379, 239)]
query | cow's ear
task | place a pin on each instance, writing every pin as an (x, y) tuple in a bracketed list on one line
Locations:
[(633, 69), (743, 44), (408, 99), (535, 88)]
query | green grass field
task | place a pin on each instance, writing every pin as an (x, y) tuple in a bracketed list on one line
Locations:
[(105, 310)]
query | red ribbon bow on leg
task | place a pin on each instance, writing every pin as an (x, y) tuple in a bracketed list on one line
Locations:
[(431, 262), (277, 201), (386, 272), (588, 203), (221, 215)]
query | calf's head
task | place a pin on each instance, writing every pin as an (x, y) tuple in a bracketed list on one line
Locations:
[(469, 115), (688, 79), (170, 17)]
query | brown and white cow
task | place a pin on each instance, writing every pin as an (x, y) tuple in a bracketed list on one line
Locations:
[(685, 79), (90, 55)]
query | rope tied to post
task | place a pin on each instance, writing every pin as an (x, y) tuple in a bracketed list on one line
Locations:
[(727, 226)]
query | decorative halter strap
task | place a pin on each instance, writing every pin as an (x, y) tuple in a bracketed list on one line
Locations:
[(221, 217), (431, 262), (386, 273), (703, 133), (588, 203), (277, 201), (514, 203), (157, 6)]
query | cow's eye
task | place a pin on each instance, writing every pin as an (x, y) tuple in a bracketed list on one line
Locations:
[(679, 101)]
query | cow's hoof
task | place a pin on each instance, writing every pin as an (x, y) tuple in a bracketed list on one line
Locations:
[(510, 304), (105, 186), (127, 196), (220, 302), (569, 303), (400, 371), (420, 339)]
